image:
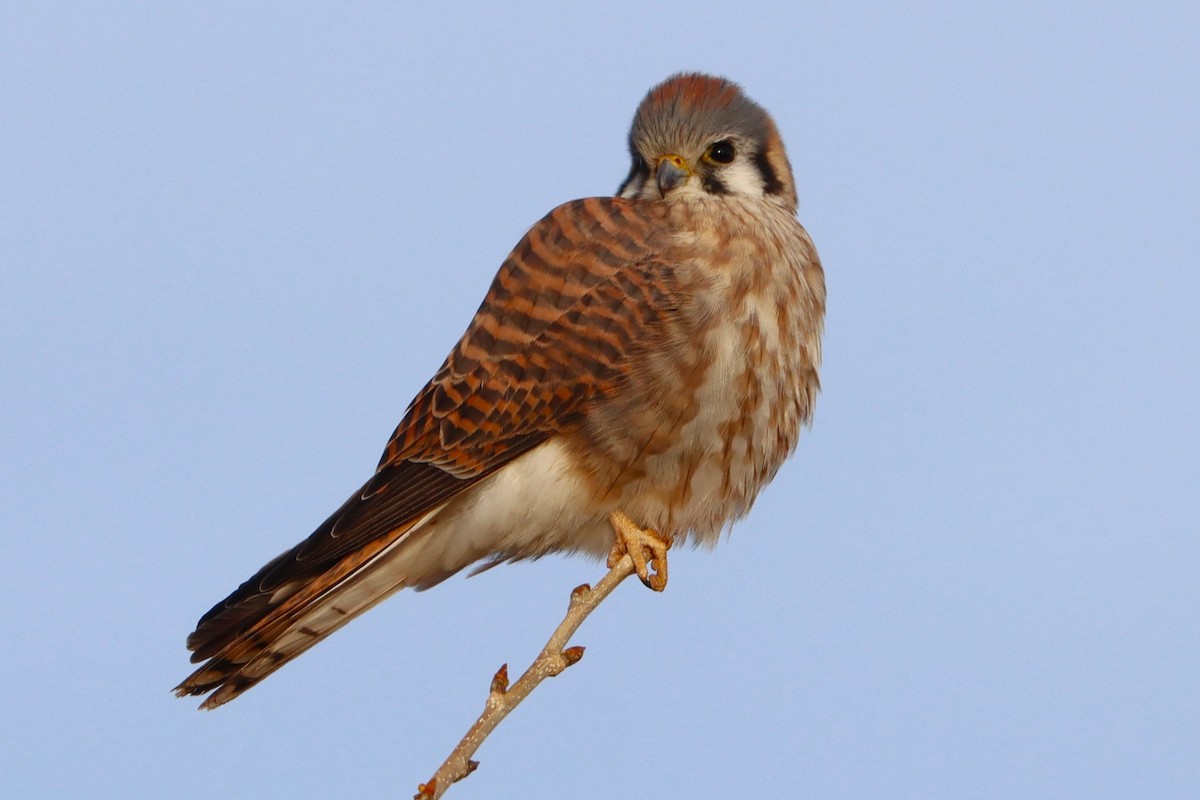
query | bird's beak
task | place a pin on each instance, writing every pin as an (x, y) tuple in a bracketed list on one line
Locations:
[(672, 171)]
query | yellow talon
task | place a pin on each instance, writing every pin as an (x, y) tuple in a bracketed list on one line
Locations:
[(645, 546)]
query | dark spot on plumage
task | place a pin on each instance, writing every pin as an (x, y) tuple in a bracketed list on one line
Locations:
[(223, 666), (461, 363), (482, 339), (626, 243), (771, 182), (509, 370), (517, 319), (713, 185), (638, 173), (499, 292), (525, 260), (454, 432), (630, 286), (602, 347), (444, 403), (611, 259)]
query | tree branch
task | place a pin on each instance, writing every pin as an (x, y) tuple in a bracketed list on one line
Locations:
[(554, 658)]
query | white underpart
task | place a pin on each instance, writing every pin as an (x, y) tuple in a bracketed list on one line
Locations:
[(706, 511), (531, 507)]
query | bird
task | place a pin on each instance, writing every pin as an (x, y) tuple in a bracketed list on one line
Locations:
[(639, 369)]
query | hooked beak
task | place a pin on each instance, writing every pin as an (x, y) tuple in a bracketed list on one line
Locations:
[(672, 171)]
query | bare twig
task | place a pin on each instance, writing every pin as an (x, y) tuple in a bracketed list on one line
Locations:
[(554, 658)]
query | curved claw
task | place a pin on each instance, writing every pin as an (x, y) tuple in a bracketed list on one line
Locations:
[(645, 546)]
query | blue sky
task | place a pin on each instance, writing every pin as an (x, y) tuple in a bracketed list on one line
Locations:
[(235, 240)]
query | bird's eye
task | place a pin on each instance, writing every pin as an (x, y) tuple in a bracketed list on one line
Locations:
[(720, 152)]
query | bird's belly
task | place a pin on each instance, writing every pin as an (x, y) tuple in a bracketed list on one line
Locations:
[(537, 504), (685, 454), (735, 436)]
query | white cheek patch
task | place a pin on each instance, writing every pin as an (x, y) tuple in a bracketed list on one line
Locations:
[(742, 177)]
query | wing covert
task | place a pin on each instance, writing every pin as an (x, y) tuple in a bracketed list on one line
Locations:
[(561, 325), (565, 314)]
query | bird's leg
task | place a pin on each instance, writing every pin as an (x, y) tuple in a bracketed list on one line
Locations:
[(644, 546)]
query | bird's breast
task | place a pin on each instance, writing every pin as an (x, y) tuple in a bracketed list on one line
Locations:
[(716, 406)]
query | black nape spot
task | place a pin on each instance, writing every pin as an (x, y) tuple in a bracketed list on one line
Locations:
[(638, 172), (771, 182)]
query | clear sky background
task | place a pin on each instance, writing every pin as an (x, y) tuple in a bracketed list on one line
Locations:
[(236, 239)]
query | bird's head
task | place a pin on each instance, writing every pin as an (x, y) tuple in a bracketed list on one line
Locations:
[(696, 133)]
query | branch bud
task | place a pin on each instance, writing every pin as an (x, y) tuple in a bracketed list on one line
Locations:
[(500, 680)]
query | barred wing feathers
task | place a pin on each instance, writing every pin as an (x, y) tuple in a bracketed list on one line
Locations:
[(560, 329)]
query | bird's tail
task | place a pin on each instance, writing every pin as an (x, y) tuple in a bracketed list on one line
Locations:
[(297, 616)]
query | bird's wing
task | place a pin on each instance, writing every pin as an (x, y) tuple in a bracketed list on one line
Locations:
[(582, 293)]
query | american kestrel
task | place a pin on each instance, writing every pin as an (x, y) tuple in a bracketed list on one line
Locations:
[(642, 364)]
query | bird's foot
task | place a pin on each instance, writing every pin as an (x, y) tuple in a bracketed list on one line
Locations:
[(646, 547)]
